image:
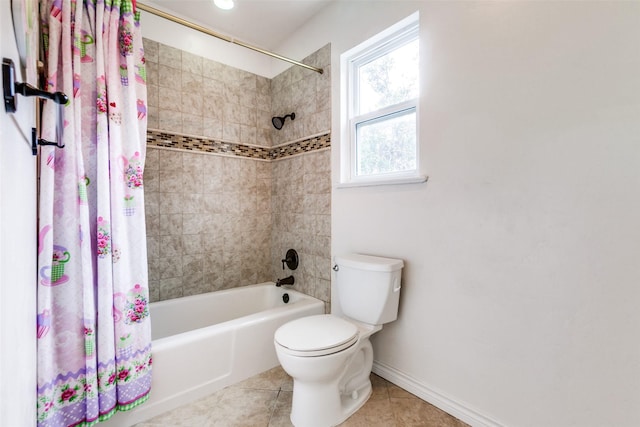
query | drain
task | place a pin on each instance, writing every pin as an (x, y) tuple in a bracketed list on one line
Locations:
[(285, 298)]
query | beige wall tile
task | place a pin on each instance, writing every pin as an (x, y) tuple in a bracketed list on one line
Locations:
[(151, 180), (212, 128), (248, 134), (192, 83), (170, 246), (170, 224), (213, 107), (154, 290), (170, 120), (152, 225), (192, 124), (212, 69), (169, 56), (170, 160), (153, 246), (170, 267), (231, 75), (212, 87), (153, 94), (170, 181), (231, 113), (169, 99), (152, 68), (193, 181), (231, 132), (153, 119), (152, 203), (193, 223), (170, 288), (151, 49), (238, 216), (192, 63), (213, 241), (169, 77), (192, 244), (171, 202), (192, 103), (194, 204)]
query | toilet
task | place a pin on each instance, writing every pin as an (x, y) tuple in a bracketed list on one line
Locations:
[(330, 357)]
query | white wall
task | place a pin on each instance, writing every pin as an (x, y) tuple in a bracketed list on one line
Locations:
[(17, 252), (197, 43), (18, 228), (521, 288), (520, 291)]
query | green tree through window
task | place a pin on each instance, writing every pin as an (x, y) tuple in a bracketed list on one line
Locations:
[(384, 94)]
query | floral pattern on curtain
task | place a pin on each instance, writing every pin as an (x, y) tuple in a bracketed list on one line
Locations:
[(93, 327)]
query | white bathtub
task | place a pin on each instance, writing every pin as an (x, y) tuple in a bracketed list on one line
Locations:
[(205, 342)]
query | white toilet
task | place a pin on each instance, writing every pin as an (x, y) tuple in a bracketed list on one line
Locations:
[(330, 357)]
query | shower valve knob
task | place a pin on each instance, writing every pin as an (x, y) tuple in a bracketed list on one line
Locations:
[(291, 259)]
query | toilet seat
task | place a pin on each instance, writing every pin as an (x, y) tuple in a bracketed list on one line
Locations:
[(316, 335)]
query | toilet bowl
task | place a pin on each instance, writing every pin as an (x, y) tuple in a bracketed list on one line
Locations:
[(331, 376), (330, 357)]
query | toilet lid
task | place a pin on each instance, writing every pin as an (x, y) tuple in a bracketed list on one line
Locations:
[(316, 335)]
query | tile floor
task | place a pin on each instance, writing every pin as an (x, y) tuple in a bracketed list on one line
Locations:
[(265, 401)]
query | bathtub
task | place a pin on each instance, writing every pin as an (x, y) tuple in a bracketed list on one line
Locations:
[(205, 342)]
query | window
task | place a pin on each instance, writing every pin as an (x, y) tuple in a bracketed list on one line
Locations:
[(382, 102)]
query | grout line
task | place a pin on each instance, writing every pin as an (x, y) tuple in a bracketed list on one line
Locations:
[(274, 406)]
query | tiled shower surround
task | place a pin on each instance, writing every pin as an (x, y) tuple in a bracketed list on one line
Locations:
[(227, 194)]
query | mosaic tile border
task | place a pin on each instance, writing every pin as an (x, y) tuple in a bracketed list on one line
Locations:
[(157, 138)]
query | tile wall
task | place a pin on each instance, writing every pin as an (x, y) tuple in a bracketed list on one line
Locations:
[(301, 192), (221, 211), (208, 222), (306, 93), (197, 96), (301, 212)]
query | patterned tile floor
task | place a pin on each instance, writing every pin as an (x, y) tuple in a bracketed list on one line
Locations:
[(265, 401)]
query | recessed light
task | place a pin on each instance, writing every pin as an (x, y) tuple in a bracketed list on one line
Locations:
[(224, 4)]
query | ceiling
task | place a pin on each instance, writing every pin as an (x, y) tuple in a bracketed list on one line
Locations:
[(262, 23)]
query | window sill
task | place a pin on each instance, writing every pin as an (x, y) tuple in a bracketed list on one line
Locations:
[(389, 181)]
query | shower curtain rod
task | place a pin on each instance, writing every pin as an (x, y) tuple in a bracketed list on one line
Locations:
[(207, 31)]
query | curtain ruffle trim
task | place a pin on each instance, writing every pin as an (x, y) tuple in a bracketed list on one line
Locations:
[(119, 408)]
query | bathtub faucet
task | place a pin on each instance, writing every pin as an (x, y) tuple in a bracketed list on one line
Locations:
[(286, 281)]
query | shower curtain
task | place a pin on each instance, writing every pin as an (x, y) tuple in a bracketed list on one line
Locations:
[(93, 331)]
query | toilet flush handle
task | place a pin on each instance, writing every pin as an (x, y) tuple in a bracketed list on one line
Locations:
[(336, 268), (396, 286)]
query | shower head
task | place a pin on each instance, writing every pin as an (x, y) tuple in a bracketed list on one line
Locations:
[(278, 122)]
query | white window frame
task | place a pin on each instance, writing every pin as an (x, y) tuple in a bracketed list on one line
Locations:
[(387, 41)]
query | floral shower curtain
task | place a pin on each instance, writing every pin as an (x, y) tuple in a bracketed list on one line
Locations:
[(94, 341)]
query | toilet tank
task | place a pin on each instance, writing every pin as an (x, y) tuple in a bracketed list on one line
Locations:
[(368, 287)]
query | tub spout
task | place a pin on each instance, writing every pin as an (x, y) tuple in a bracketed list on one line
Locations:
[(286, 281)]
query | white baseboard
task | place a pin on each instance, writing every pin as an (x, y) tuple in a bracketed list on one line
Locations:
[(437, 399)]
